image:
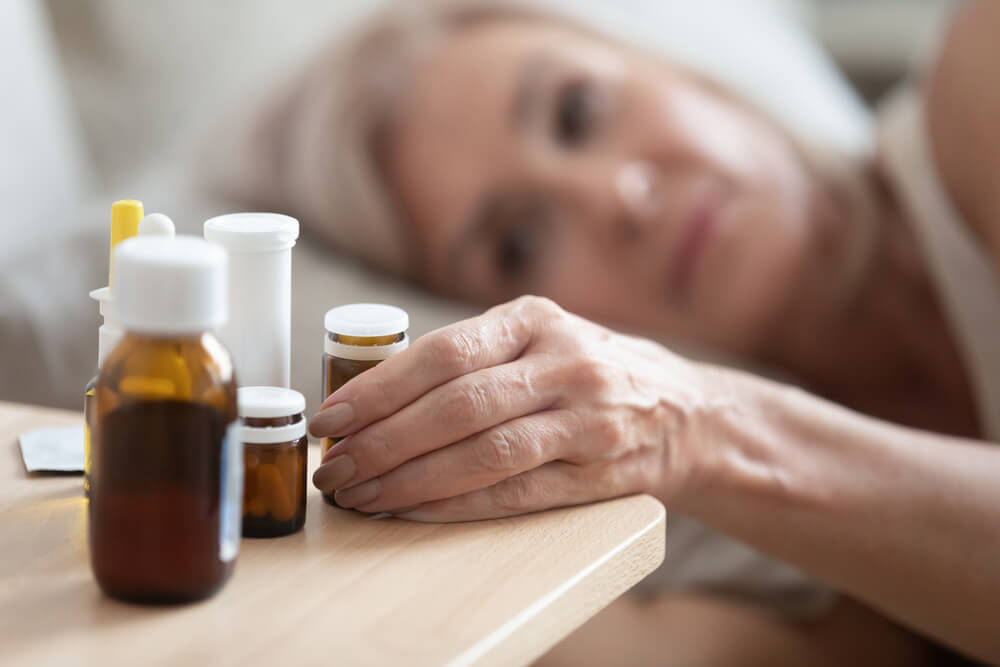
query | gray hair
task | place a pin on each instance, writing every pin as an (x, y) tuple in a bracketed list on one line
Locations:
[(312, 150)]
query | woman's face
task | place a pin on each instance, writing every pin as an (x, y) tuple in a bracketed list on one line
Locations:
[(532, 158)]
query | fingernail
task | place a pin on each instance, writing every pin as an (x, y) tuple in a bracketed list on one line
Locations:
[(330, 421), (362, 494), (331, 476)]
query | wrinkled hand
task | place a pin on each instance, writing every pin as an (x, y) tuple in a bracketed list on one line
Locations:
[(521, 409)]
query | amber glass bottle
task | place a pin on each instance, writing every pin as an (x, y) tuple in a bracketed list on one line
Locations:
[(359, 336), (275, 455), (166, 468)]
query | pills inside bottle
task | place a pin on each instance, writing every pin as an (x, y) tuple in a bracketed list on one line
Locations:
[(275, 454), (359, 336)]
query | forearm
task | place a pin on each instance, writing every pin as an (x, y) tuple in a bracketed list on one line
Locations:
[(907, 521)]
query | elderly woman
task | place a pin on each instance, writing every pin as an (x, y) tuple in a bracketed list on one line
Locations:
[(502, 151)]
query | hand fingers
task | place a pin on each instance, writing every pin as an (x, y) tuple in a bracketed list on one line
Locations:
[(555, 484), (498, 336), (472, 464), (447, 414)]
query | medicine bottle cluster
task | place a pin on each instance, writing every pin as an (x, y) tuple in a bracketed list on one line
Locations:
[(193, 438)]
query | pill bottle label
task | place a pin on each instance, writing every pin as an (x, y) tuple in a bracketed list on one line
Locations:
[(231, 494), (89, 417)]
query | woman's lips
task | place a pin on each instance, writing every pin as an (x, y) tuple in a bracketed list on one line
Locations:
[(694, 239)]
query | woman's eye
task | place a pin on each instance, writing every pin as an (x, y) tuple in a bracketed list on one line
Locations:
[(574, 114), (519, 247)]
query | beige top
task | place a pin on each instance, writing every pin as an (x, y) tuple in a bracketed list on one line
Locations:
[(346, 590), (966, 280)]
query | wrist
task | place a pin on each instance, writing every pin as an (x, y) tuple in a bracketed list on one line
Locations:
[(769, 444), (688, 463), (692, 437), (734, 445)]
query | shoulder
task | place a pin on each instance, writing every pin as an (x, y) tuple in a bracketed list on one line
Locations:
[(963, 116)]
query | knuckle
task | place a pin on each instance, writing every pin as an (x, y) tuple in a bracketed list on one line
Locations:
[(466, 405), (537, 307), (533, 384), (543, 305), (457, 349), (571, 343), (397, 491), (373, 451), (495, 452), (611, 430), (375, 395), (443, 347), (514, 493), (594, 377), (535, 441), (511, 334)]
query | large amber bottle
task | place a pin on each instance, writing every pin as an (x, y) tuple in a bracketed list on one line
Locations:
[(167, 468)]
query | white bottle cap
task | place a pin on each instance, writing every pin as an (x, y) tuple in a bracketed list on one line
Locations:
[(156, 224), (269, 402), (170, 285), (109, 333), (253, 232), (366, 320)]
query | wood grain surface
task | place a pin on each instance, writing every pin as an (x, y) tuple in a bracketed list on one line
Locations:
[(347, 590)]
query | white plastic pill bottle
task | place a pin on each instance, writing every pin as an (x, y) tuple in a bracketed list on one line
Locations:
[(258, 333)]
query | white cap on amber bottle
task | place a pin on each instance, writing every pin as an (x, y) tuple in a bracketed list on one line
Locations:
[(170, 285), (365, 320), (268, 403), (109, 333)]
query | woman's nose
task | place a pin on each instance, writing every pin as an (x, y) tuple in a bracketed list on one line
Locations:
[(639, 187)]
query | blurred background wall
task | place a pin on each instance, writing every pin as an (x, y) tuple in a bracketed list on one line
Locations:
[(874, 41)]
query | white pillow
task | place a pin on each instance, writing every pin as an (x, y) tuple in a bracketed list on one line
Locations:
[(43, 171), (149, 78), (754, 48)]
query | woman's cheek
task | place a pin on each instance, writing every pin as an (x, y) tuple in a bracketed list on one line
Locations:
[(750, 273)]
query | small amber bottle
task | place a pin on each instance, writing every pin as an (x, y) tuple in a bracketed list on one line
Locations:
[(275, 452), (359, 336), (166, 469)]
